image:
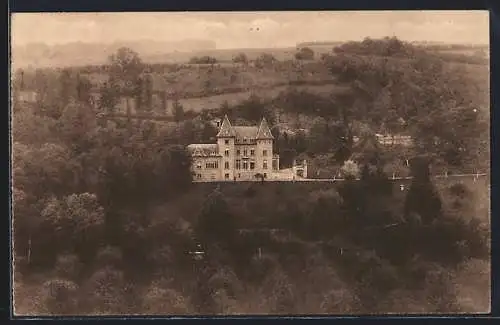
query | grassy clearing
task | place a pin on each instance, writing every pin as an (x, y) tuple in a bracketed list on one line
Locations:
[(212, 102)]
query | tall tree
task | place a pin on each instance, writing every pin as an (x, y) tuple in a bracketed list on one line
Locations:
[(83, 89), (320, 139), (77, 121), (240, 58), (27, 223), (265, 60), (422, 190), (125, 71), (77, 220), (225, 109), (67, 89), (254, 109), (109, 97), (304, 53), (44, 171), (215, 222), (422, 90), (178, 111)]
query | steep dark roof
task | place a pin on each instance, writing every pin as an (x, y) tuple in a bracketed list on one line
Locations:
[(226, 130), (245, 132), (264, 132)]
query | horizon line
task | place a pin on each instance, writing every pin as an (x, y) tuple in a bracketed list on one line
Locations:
[(235, 48)]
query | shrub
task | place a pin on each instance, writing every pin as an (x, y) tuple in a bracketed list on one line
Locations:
[(350, 170), (68, 267), (61, 296), (161, 300)]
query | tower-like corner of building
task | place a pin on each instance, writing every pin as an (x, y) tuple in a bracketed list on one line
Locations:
[(226, 129), (264, 132)]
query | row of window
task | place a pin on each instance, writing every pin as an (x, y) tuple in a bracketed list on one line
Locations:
[(198, 176), (226, 176), (239, 165), (208, 165), (250, 140), (245, 164), (245, 152)]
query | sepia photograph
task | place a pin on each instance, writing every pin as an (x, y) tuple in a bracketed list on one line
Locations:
[(319, 163)]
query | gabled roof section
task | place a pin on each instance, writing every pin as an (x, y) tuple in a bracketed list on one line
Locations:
[(264, 132), (226, 130)]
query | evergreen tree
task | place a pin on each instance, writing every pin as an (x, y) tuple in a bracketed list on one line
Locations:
[(365, 173), (178, 111), (109, 97), (422, 197), (215, 222)]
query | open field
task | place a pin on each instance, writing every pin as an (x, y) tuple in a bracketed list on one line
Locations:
[(208, 86), (199, 80), (212, 102), (190, 81), (469, 52)]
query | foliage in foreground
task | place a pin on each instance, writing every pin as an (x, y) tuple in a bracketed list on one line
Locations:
[(105, 218)]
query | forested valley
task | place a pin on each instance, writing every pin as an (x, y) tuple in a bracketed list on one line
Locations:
[(106, 218)]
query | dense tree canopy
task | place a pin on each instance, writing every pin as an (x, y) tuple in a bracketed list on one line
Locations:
[(400, 88), (203, 60), (240, 58), (304, 53), (106, 219)]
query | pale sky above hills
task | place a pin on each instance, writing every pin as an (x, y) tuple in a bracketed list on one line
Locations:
[(251, 30)]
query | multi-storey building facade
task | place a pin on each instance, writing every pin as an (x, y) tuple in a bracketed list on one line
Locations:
[(241, 153)]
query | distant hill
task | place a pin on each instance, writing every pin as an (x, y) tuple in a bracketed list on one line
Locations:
[(319, 44), (80, 53)]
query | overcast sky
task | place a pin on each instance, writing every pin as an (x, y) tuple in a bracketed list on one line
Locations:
[(246, 30)]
